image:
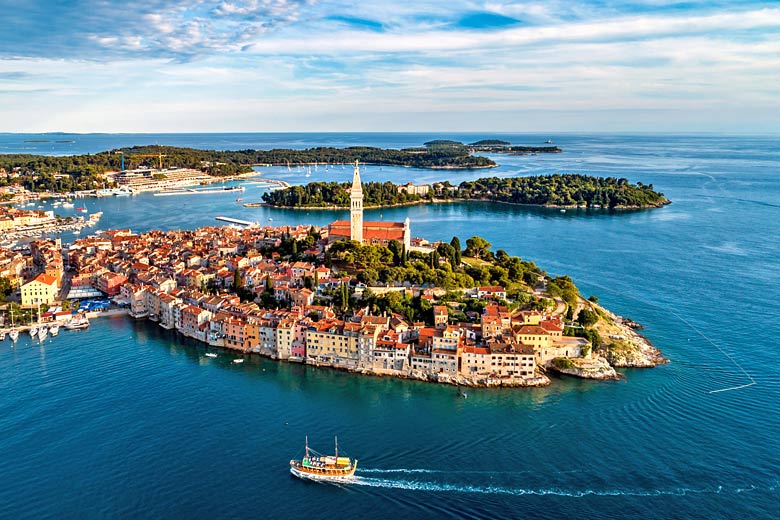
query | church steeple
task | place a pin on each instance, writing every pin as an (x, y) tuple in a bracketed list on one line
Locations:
[(356, 207)]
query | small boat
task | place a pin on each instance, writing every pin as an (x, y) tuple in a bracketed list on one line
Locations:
[(563, 211), (42, 333), (54, 330), (240, 360), (239, 199), (77, 323), (318, 467), (211, 354), (2, 335), (13, 334), (270, 219), (67, 204), (549, 141), (80, 208), (33, 331)]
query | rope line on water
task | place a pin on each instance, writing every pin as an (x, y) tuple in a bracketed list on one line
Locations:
[(697, 331)]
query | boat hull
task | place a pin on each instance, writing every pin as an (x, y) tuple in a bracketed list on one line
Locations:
[(321, 477)]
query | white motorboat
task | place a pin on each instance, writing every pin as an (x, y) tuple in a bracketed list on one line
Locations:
[(211, 354), (238, 360), (54, 330), (77, 323), (13, 334), (33, 331), (2, 335), (42, 333)]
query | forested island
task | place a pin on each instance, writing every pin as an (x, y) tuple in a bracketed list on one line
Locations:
[(81, 172), (559, 190)]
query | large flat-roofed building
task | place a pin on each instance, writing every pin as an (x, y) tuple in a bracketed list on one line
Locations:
[(367, 233)]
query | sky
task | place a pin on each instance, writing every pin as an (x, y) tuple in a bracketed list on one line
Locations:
[(423, 65)]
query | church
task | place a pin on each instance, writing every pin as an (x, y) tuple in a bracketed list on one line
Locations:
[(367, 233)]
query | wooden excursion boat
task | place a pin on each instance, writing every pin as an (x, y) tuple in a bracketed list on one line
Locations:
[(323, 467)]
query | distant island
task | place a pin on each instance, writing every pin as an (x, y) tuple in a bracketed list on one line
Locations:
[(559, 190), (86, 172)]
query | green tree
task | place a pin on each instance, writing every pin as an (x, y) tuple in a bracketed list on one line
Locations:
[(6, 288), (477, 247), (587, 318), (397, 249), (455, 243)]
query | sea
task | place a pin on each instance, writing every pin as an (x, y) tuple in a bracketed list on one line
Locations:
[(126, 420)]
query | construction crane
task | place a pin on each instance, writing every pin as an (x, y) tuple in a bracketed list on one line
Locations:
[(159, 155)]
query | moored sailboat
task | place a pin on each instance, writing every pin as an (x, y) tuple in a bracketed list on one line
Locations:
[(323, 467)]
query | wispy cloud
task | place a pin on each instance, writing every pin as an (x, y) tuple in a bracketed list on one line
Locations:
[(185, 65)]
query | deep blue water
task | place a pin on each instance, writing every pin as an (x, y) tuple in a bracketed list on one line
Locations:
[(126, 420)]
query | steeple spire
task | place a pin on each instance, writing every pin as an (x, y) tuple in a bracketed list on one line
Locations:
[(356, 207), (356, 185)]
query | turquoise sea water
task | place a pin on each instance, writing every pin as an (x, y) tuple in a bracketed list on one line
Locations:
[(126, 420)]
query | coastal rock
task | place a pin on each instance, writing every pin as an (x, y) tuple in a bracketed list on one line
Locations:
[(624, 347), (590, 367)]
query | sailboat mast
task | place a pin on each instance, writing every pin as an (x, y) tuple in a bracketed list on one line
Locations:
[(307, 446), (337, 450)]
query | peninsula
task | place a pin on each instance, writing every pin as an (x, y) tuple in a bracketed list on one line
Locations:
[(355, 295), (563, 191)]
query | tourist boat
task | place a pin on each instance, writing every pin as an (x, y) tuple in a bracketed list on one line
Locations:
[(54, 330), (13, 334), (211, 354), (77, 323), (318, 467), (33, 331), (42, 333)]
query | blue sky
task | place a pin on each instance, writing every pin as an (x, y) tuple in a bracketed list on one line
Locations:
[(333, 65)]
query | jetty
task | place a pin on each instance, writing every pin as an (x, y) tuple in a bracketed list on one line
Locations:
[(236, 221), (202, 191)]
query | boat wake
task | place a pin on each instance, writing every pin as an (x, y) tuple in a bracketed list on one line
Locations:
[(443, 487)]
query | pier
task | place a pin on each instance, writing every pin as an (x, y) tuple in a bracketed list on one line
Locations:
[(204, 191), (237, 221)]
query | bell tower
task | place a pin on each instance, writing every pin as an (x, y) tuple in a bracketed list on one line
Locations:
[(356, 207)]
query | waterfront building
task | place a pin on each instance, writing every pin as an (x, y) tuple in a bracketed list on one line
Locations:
[(194, 322), (40, 290)]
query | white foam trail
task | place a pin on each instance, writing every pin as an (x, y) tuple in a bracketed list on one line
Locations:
[(499, 490)]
